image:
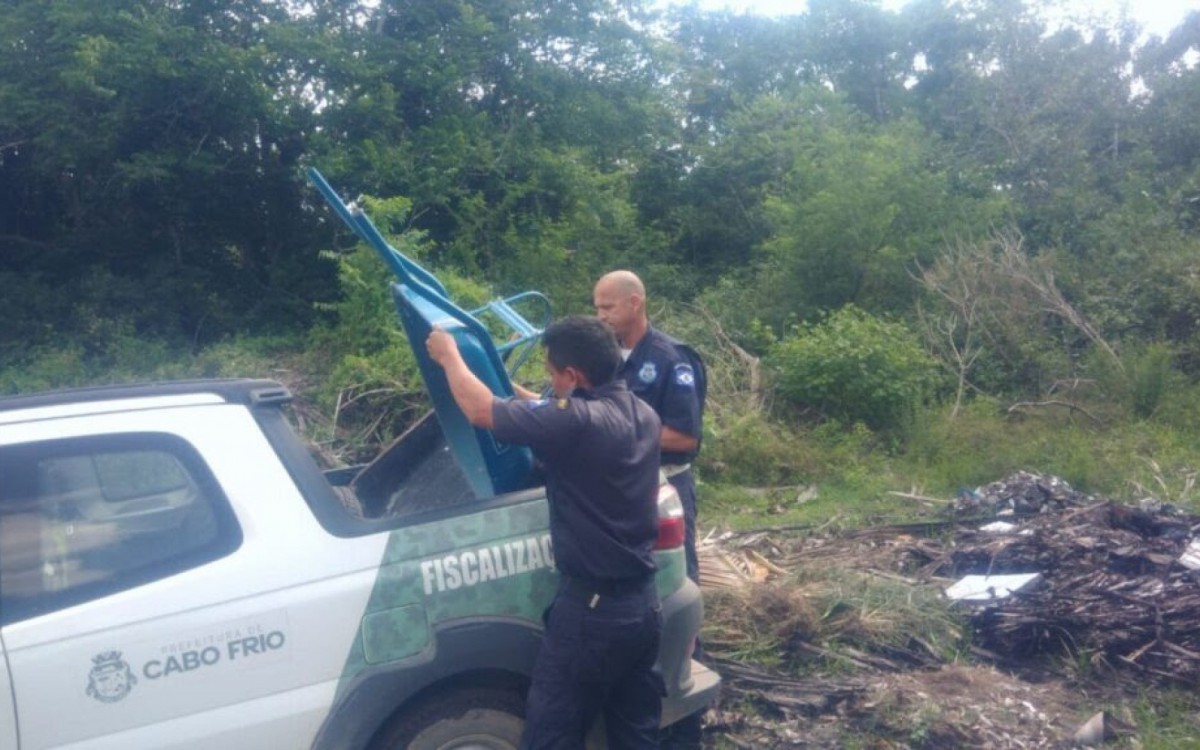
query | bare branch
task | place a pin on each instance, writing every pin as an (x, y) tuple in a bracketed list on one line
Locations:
[(1039, 278), (752, 363), (957, 280), (1065, 404)]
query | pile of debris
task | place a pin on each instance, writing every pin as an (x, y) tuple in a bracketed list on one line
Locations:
[(1117, 584), (1113, 583), (1022, 494), (1113, 586)]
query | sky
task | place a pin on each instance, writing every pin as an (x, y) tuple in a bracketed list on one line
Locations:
[(1155, 16)]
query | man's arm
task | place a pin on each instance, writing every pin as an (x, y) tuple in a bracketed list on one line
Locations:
[(680, 407), (674, 441), (472, 396), (524, 393)]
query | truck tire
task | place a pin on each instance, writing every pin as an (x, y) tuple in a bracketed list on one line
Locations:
[(466, 719)]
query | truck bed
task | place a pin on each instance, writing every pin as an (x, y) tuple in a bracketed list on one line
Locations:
[(415, 474)]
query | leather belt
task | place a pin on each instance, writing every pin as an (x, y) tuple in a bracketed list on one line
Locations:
[(591, 591)]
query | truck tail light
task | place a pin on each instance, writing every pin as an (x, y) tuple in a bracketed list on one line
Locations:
[(671, 528)]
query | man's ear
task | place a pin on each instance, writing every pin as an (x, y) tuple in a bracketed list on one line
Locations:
[(578, 379)]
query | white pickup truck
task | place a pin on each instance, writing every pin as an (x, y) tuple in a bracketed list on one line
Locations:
[(177, 572)]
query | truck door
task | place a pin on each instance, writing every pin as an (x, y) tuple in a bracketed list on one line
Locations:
[(154, 585), (8, 717)]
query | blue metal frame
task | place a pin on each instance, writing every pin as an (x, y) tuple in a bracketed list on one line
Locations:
[(422, 302)]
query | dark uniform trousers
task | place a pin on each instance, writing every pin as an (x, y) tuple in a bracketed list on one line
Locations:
[(597, 658)]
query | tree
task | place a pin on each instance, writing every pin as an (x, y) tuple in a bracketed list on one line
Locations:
[(858, 205), (1043, 115), (857, 50), (505, 122), (147, 170)]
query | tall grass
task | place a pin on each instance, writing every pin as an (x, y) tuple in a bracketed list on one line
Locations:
[(754, 471), (125, 358)]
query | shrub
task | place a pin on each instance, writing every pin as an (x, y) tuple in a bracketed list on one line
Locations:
[(360, 364), (1144, 380), (855, 367), (45, 368), (1150, 374), (752, 450)]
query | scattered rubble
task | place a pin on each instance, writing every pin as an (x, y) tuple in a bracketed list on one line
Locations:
[(1022, 494), (1116, 592), (1113, 589)]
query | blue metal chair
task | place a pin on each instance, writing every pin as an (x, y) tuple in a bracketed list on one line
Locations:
[(491, 467)]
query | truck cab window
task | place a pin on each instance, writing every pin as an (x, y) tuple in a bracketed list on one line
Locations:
[(86, 517)]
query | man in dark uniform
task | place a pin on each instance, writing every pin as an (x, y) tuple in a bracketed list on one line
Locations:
[(666, 374), (670, 377), (599, 446)]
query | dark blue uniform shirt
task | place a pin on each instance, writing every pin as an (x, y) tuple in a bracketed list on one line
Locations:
[(600, 452), (659, 373)]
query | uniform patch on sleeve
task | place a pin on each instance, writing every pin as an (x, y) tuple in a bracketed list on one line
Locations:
[(684, 376), (537, 403)]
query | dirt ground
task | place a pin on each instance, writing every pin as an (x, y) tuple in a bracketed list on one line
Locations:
[(954, 706)]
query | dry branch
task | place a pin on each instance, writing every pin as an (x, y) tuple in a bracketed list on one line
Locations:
[(1053, 402), (751, 363)]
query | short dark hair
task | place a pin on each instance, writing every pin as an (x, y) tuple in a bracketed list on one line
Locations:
[(586, 343)]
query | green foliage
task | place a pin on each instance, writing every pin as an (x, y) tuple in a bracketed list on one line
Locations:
[(149, 158), (1142, 381), (758, 472), (149, 148), (1167, 719), (726, 300), (1150, 374), (1179, 406), (856, 207), (828, 475), (117, 355), (44, 369), (1122, 459), (593, 229), (364, 371), (753, 451), (1054, 441), (855, 367)]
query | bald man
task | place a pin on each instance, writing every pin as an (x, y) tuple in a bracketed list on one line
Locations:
[(669, 376), (659, 369)]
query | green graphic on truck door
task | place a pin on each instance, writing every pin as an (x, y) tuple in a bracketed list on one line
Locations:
[(495, 563)]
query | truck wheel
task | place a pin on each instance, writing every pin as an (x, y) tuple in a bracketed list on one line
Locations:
[(468, 719)]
